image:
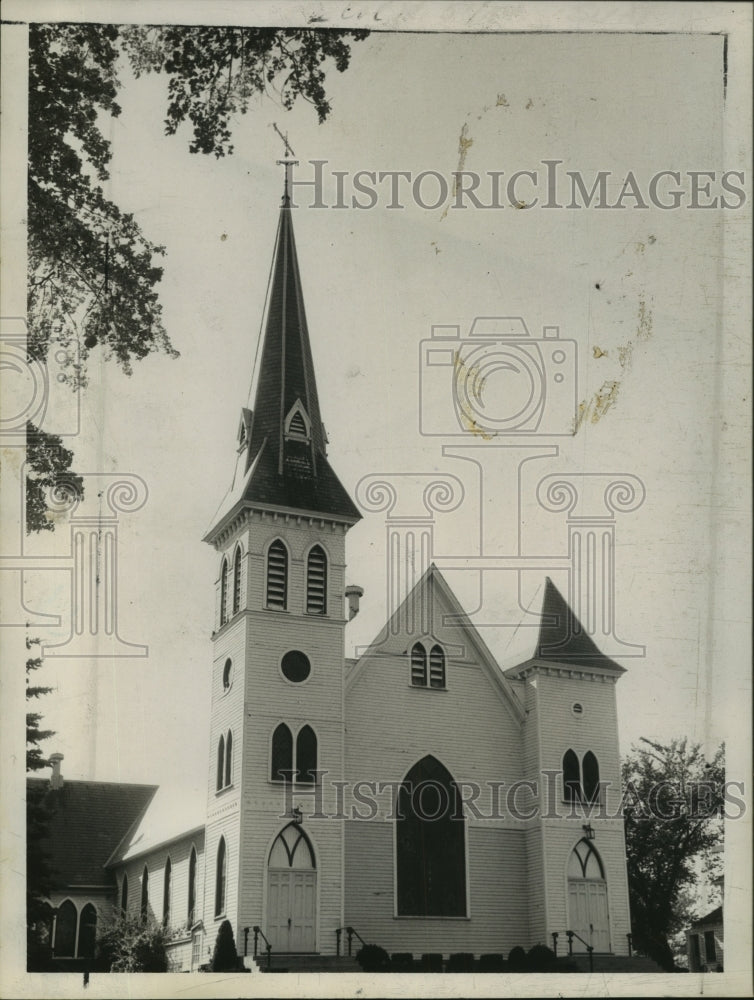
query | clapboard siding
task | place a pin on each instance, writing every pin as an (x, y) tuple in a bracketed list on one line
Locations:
[(497, 918)]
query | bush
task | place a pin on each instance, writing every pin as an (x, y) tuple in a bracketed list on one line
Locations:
[(372, 958), (431, 962), (517, 960), (541, 959), (460, 961), (132, 944), (491, 963), (402, 961), (225, 957)]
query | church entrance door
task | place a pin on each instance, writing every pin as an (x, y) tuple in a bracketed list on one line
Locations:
[(587, 899), (292, 893)]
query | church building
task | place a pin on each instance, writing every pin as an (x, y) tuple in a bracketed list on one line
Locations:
[(420, 795)]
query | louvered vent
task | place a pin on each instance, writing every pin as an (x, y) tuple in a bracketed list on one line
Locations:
[(436, 667), (316, 582), (277, 576), (297, 426), (418, 665)]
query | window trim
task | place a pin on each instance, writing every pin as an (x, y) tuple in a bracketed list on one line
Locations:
[(144, 901), (293, 781), (224, 592), (221, 879), (277, 541), (167, 891), (323, 613), (427, 644), (296, 684), (191, 900), (237, 572)]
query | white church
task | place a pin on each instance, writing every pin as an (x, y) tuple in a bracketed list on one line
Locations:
[(419, 798)]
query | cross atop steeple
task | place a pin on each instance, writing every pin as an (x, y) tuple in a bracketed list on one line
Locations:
[(288, 161)]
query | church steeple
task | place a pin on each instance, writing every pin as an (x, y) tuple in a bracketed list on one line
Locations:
[(562, 638), (282, 444)]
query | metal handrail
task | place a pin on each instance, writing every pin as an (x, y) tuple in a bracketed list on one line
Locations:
[(352, 933), (571, 935), (258, 932)]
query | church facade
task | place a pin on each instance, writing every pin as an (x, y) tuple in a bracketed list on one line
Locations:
[(419, 794)]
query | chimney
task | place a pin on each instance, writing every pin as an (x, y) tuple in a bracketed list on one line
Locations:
[(56, 778), (354, 594)]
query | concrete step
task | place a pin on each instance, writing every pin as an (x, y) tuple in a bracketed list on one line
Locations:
[(290, 962), (613, 963)]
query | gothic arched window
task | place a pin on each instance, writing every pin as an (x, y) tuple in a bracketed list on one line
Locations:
[(282, 753), (220, 763), (229, 759), (87, 932), (418, 665), (224, 592), (237, 581), (192, 887), (124, 894), (144, 908), (591, 773), (220, 876), (306, 755), (316, 581), (167, 892), (436, 667), (65, 930), (571, 777), (277, 576), (430, 844)]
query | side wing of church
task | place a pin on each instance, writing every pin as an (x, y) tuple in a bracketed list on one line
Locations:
[(420, 796)]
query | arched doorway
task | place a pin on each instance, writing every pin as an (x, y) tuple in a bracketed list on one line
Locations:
[(292, 892), (587, 898)]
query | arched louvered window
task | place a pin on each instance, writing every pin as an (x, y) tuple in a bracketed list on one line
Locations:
[(220, 877), (277, 576), (436, 667), (316, 582), (65, 930), (306, 755), (220, 763), (229, 759), (282, 753), (591, 772), (192, 888), (237, 581), (571, 777), (419, 665), (430, 844), (87, 932), (124, 894), (224, 592), (144, 908), (167, 892)]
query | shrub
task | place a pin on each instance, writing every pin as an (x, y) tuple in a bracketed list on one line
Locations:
[(225, 957), (402, 961), (132, 944), (460, 961), (541, 959), (517, 960), (491, 963), (431, 962), (372, 958)]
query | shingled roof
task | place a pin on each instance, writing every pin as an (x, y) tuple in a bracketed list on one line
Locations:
[(279, 469), (562, 638), (89, 820)]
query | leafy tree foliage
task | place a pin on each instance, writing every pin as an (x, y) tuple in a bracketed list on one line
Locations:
[(92, 272), (49, 465), (130, 943), (673, 808)]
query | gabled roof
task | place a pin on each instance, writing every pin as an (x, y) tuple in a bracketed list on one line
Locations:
[(433, 578), (562, 638), (89, 819), (288, 472), (173, 813), (713, 917)]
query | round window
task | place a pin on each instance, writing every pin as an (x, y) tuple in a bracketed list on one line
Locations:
[(295, 666), (227, 674), (577, 708)]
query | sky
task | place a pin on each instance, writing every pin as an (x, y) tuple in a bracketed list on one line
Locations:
[(639, 291)]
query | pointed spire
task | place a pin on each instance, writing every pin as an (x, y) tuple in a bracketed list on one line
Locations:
[(562, 638), (282, 441)]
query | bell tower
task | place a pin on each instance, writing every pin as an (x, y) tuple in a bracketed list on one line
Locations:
[(274, 854)]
